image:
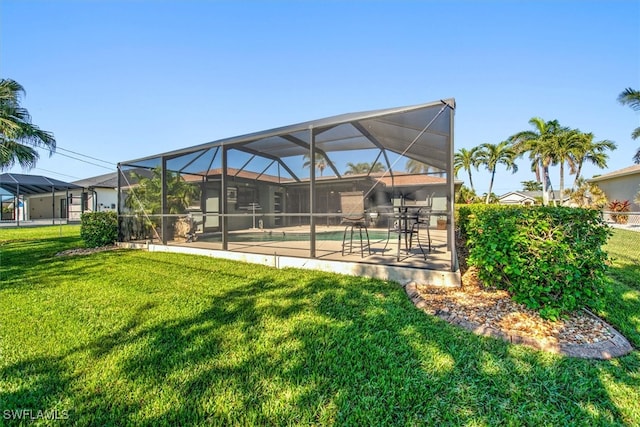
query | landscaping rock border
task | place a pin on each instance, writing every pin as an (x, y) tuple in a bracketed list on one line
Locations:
[(615, 345)]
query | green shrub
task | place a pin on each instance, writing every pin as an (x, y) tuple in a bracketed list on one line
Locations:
[(463, 213), (548, 258), (99, 228)]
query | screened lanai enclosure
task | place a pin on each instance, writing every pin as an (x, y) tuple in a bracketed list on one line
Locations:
[(368, 191)]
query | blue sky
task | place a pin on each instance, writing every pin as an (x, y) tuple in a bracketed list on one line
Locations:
[(119, 80)]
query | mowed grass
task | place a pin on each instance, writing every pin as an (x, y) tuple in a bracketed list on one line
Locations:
[(136, 338), (622, 308)]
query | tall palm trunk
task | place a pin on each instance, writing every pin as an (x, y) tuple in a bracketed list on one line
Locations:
[(493, 174), (561, 181), (471, 181), (578, 170), (545, 191), (537, 172)]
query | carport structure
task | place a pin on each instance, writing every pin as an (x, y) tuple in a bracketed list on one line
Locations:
[(261, 194), (22, 186)]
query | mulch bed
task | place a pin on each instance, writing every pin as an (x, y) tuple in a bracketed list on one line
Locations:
[(87, 251), (492, 312)]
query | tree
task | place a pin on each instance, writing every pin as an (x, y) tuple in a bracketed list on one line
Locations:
[(490, 198), (586, 149), (321, 162), (147, 195), (466, 159), (560, 151), (540, 144), (361, 168), (414, 166), (465, 195), (587, 195), (631, 98), (491, 155), (19, 138), (531, 185)]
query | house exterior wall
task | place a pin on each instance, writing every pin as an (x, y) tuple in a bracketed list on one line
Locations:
[(106, 199), (622, 188), (97, 200), (41, 206), (75, 205)]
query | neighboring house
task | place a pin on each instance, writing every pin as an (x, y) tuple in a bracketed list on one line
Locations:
[(528, 198), (519, 198), (622, 184), (36, 197), (100, 193), (12, 207)]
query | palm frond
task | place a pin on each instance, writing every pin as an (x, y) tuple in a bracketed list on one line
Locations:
[(19, 136), (12, 152), (630, 97)]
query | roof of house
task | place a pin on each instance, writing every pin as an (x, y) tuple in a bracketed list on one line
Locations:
[(235, 173), (531, 194), (399, 179), (407, 179), (108, 180), (522, 194), (631, 170)]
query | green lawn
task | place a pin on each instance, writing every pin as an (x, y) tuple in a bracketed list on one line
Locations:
[(131, 337)]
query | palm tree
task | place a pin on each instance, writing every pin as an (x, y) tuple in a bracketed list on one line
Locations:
[(414, 166), (321, 162), (631, 98), (466, 159), (361, 168), (562, 149), (540, 144), (465, 195), (146, 196), (19, 138), (491, 155), (586, 149), (531, 186)]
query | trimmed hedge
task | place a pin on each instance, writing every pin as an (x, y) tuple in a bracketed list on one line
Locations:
[(99, 228), (548, 258)]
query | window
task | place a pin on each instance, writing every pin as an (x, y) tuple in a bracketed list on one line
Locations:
[(246, 196)]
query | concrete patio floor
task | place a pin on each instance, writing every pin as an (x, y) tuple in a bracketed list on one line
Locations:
[(382, 263)]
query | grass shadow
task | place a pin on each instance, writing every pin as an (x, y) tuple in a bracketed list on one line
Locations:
[(203, 341)]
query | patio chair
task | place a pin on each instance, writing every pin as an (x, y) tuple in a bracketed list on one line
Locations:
[(423, 219), (354, 216)]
